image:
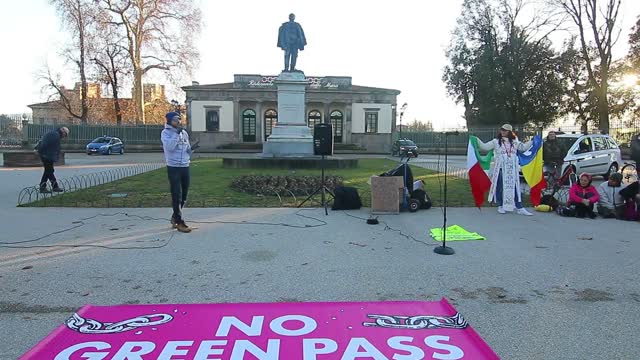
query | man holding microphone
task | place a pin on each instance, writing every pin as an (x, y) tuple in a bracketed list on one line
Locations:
[(177, 153)]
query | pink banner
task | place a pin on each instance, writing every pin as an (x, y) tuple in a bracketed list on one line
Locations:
[(290, 331)]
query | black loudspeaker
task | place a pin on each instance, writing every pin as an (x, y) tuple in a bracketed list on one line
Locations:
[(322, 139)]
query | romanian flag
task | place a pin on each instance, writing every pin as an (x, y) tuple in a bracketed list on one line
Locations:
[(532, 168), (476, 166)]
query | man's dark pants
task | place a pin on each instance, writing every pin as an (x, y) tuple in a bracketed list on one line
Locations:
[(290, 57), (48, 174), (607, 213), (179, 178)]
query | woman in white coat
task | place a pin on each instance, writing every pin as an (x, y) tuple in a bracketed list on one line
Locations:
[(505, 181)]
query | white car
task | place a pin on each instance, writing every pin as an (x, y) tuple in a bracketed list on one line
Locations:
[(594, 154)]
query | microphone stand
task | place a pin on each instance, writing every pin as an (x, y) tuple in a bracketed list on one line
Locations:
[(444, 249)]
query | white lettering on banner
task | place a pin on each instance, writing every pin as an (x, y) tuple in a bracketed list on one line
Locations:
[(254, 330), (398, 348), (206, 349), (98, 345), (133, 350), (434, 342), (309, 325), (242, 346), (309, 349), (353, 350), (171, 349), (396, 343)]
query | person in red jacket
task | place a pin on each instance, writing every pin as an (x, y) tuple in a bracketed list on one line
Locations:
[(583, 196)]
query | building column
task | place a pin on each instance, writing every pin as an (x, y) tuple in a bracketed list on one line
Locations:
[(347, 124), (236, 121), (259, 123), (326, 113)]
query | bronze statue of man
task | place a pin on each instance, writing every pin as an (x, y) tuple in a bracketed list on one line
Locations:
[(291, 39)]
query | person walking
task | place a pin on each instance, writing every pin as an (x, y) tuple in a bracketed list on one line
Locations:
[(177, 153), (48, 149), (505, 182)]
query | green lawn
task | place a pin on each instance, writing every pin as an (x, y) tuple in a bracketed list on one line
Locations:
[(210, 187)]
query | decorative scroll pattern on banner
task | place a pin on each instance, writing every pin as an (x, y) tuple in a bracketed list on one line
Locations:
[(419, 322), (90, 326)]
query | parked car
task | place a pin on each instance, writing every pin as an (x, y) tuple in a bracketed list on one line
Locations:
[(594, 154), (404, 146), (105, 145)]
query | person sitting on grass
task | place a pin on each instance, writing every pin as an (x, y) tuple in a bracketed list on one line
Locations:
[(611, 203), (583, 196)]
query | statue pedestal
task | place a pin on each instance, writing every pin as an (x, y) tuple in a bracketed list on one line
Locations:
[(290, 137)]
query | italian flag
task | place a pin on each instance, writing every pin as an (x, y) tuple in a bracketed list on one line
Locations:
[(476, 166)]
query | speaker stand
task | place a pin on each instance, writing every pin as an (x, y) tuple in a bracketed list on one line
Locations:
[(323, 189), (444, 249)]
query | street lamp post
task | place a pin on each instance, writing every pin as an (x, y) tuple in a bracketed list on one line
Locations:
[(402, 109)]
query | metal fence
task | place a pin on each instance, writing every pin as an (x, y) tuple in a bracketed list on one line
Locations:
[(83, 134), (436, 138), (32, 194), (11, 130)]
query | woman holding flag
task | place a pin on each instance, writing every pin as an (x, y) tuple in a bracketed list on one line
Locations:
[(505, 182)]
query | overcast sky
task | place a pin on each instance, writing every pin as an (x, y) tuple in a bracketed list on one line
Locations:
[(393, 44)]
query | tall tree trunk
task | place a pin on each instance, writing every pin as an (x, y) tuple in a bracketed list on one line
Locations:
[(116, 106), (468, 112), (138, 96), (603, 108), (81, 65)]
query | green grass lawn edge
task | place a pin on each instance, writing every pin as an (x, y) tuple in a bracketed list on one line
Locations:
[(210, 187)]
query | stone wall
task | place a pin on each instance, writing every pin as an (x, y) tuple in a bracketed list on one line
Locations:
[(374, 143), (210, 141)]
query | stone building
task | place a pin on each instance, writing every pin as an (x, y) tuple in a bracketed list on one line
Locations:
[(101, 109), (244, 111)]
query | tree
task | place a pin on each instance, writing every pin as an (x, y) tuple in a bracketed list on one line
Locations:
[(579, 96), (501, 69), (419, 126), (77, 17), (111, 61), (470, 75), (159, 35), (601, 33), (634, 61), (531, 89)]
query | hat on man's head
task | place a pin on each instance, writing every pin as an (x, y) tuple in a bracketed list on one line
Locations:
[(506, 127), (616, 176), (174, 115), (65, 130)]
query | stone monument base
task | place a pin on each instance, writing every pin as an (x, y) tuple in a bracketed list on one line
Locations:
[(291, 137), (289, 141)]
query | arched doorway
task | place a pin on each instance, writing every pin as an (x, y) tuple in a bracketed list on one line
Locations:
[(337, 120), (270, 120), (314, 117), (249, 126)]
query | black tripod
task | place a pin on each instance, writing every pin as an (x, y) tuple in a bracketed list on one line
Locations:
[(444, 249), (322, 188)]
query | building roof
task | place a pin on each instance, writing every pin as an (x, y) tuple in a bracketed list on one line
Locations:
[(44, 104), (208, 86), (231, 86)]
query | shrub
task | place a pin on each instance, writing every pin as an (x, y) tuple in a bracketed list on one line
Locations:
[(283, 185)]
